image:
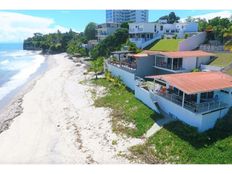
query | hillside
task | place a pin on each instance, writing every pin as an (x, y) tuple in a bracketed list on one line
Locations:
[(166, 45), (223, 60)]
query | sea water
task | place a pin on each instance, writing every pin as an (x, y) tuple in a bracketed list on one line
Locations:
[(16, 67)]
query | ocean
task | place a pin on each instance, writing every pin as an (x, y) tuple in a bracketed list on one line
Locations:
[(16, 67)]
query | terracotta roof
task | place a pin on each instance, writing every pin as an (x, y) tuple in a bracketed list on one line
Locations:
[(197, 82), (180, 54), (139, 55)]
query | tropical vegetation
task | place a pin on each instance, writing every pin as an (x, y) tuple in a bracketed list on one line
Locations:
[(129, 115), (110, 43), (171, 18), (97, 66), (182, 144)]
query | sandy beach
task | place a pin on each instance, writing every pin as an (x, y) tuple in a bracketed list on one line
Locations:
[(57, 122)]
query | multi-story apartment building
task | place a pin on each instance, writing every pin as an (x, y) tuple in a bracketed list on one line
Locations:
[(120, 16), (106, 29)]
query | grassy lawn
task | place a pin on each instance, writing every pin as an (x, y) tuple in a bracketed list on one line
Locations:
[(224, 59), (126, 110), (229, 71), (179, 143), (167, 45)]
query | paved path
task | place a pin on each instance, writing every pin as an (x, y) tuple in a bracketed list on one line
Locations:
[(157, 126)]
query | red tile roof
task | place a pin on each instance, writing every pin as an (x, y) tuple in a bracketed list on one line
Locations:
[(175, 54), (197, 82)]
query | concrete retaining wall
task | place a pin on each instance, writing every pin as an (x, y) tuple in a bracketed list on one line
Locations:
[(193, 42), (144, 96), (127, 77)]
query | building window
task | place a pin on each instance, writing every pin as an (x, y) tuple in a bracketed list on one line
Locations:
[(161, 27), (224, 91), (206, 95)]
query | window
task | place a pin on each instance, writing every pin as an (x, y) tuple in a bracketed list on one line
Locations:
[(161, 27), (224, 91), (206, 95)]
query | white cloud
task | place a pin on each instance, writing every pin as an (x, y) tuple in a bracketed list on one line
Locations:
[(15, 27), (222, 14)]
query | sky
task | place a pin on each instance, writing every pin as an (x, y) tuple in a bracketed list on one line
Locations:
[(16, 25)]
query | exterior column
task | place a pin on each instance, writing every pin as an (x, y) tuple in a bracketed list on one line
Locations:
[(198, 98), (155, 60), (183, 99), (172, 65)]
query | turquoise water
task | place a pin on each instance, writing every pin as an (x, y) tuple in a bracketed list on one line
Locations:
[(16, 67)]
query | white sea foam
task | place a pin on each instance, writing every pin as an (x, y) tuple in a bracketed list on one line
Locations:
[(25, 69), (4, 62)]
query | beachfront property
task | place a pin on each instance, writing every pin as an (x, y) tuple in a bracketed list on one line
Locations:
[(120, 16), (106, 29), (124, 65), (196, 98), (144, 33), (178, 61), (130, 66)]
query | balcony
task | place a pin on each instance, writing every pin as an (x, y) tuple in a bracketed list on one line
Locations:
[(131, 67), (204, 107), (173, 65), (169, 66), (135, 30)]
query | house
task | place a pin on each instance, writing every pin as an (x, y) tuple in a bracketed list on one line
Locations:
[(144, 33), (179, 61), (130, 66), (196, 98), (106, 29)]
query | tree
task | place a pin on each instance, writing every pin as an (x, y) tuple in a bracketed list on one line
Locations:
[(110, 43), (202, 24), (190, 19), (125, 25), (97, 65), (90, 31), (131, 46), (171, 18)]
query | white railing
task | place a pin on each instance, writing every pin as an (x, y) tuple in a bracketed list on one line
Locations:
[(192, 106), (143, 42), (210, 68)]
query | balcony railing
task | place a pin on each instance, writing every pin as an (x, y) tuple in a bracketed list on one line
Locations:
[(142, 40), (169, 66), (192, 106), (124, 65)]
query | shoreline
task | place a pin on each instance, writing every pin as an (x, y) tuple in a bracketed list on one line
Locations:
[(57, 122), (11, 104)]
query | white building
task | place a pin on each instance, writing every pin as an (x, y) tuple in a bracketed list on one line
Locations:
[(143, 33), (106, 29), (198, 98), (120, 16)]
